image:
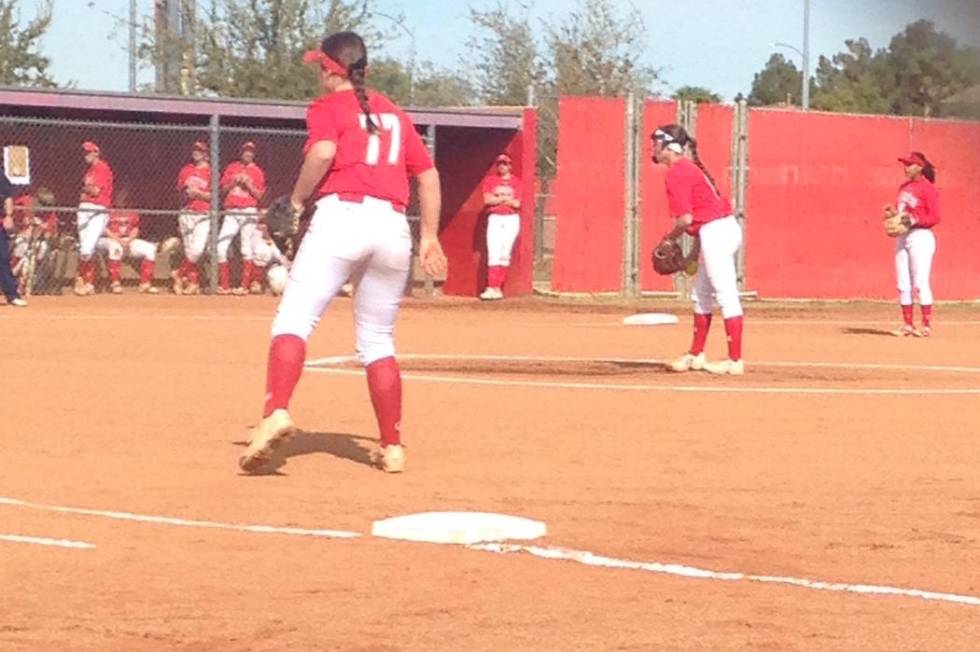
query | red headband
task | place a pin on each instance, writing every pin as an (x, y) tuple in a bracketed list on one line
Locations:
[(326, 63)]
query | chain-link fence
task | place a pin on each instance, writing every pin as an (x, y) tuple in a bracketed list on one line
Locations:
[(172, 221), (545, 222)]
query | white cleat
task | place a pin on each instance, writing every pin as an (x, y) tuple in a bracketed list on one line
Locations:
[(390, 459), (688, 362), (18, 303), (265, 438), (725, 368), (925, 331), (491, 294), (904, 331)]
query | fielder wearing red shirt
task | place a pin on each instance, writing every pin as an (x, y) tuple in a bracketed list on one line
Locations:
[(699, 210), (360, 151), (122, 240), (194, 186), (502, 196), (914, 251), (243, 185), (95, 198)]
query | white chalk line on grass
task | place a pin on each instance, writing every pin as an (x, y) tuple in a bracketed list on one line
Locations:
[(545, 552), (43, 541), (181, 522), (591, 559)]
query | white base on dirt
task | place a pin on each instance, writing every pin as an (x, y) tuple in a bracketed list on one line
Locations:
[(650, 319), (458, 527)]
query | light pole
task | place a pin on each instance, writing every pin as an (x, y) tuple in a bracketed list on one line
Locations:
[(132, 37), (412, 53), (804, 55)]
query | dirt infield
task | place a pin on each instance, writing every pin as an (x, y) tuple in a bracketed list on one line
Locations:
[(844, 456)]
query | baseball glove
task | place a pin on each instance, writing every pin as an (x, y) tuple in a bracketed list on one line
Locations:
[(668, 258), (282, 224), (897, 224)]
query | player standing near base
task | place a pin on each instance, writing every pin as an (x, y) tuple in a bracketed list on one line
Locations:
[(699, 210), (918, 202), (360, 151), (502, 197)]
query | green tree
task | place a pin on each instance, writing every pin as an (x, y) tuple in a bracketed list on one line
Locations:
[(435, 86), (21, 62), (853, 81), (777, 83), (505, 56), (696, 94)]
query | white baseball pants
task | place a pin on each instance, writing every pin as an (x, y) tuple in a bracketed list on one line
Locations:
[(502, 232), (717, 276), (92, 220), (138, 249), (244, 220), (913, 265), (194, 230)]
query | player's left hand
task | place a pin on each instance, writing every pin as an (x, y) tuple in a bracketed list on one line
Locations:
[(431, 257)]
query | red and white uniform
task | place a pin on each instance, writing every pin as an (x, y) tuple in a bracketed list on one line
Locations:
[(359, 230), (689, 192), (915, 250), (92, 215), (194, 221), (122, 241), (503, 225), (241, 212), (27, 224)]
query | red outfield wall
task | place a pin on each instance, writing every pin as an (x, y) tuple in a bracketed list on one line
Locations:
[(817, 183)]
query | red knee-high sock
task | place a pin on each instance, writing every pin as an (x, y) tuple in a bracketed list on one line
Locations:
[(926, 315), (89, 272), (286, 356), (115, 270), (146, 271), (192, 276), (702, 323), (385, 386), (908, 314), (247, 267), (224, 276), (501, 276), (733, 328)]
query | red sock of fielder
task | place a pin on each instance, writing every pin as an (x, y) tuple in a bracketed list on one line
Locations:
[(246, 273), (286, 356), (224, 276), (385, 386), (908, 314), (702, 323), (733, 328), (115, 270), (192, 276), (146, 272), (926, 315), (89, 273)]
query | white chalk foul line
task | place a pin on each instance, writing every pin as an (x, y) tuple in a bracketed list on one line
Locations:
[(182, 522), (591, 559), (43, 541)]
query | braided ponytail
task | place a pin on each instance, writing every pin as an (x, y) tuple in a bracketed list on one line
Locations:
[(356, 73), (697, 161)]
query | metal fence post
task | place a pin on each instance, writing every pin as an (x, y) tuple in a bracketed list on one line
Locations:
[(740, 175), (630, 286), (215, 217)]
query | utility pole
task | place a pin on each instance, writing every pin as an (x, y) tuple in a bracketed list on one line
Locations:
[(806, 55)]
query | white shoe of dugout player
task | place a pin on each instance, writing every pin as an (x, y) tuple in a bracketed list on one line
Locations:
[(688, 362), (18, 303), (265, 438), (492, 294), (904, 331), (925, 331), (390, 459), (725, 368)]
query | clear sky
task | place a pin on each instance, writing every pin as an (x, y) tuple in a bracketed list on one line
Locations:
[(719, 44)]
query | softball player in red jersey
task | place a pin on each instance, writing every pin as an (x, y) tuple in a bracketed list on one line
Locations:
[(121, 240), (361, 149), (502, 193), (243, 185), (918, 199), (194, 184), (701, 211), (92, 215)]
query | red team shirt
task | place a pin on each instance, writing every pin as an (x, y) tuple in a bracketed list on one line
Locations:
[(689, 191), (122, 224), (363, 166), (920, 199), (510, 187), (98, 174), (24, 216), (239, 197), (197, 178)]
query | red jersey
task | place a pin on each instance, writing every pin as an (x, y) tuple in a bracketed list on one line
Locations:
[(192, 177), (689, 191), (123, 223), (510, 188), (98, 174), (24, 216), (920, 199), (239, 196), (375, 165)]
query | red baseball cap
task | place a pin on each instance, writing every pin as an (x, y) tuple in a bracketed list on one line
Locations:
[(249, 145), (90, 146), (504, 158), (913, 158), (201, 146)]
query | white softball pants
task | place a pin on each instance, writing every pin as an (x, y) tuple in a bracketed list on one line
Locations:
[(502, 231), (92, 220), (717, 276), (913, 265), (238, 219), (369, 243), (138, 249), (194, 230)]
